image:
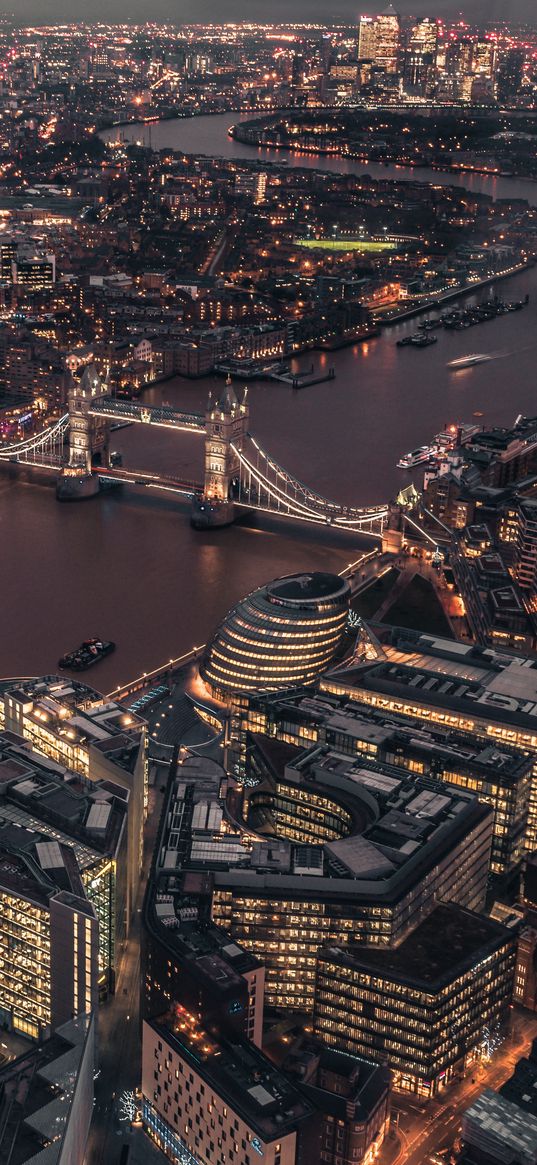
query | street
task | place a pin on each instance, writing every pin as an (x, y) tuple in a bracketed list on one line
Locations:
[(119, 1043), (421, 1133)]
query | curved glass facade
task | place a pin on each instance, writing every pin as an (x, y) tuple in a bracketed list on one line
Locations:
[(283, 635)]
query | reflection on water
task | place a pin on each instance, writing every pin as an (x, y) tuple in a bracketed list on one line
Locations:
[(127, 566), (208, 135)]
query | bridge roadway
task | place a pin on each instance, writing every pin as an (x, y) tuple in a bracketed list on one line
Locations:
[(153, 480), (161, 415), (262, 484)]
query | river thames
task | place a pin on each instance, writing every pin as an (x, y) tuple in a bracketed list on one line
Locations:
[(127, 566)]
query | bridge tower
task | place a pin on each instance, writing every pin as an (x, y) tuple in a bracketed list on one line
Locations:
[(88, 438), (226, 425)]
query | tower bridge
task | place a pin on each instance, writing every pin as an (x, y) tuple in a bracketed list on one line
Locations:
[(239, 475)]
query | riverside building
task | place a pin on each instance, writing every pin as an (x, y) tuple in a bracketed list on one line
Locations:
[(425, 1008), (283, 634), (92, 736), (478, 690), (501, 776)]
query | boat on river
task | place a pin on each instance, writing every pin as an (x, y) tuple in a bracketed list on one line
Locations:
[(85, 656), (416, 457), (468, 361)]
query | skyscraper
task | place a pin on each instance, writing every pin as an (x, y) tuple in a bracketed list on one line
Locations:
[(388, 36), (378, 39), (509, 75), (484, 58), (367, 38), (420, 56)]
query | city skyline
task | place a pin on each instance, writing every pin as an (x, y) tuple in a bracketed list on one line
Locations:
[(199, 11), (255, 470)]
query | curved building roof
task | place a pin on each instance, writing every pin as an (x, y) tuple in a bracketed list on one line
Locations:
[(282, 635)]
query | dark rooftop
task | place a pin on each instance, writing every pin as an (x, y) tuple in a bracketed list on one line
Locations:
[(308, 587), (521, 1088), (39, 1085), (336, 1082), (440, 949), (257, 1091), (41, 872)]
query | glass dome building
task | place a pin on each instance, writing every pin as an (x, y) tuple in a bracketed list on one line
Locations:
[(280, 636)]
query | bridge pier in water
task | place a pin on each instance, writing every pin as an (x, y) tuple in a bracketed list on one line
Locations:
[(239, 475), (226, 426), (88, 440)]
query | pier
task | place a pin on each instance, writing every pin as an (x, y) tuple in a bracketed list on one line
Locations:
[(304, 379)]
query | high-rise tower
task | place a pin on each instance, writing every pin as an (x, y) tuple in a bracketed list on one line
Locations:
[(378, 39), (420, 56)]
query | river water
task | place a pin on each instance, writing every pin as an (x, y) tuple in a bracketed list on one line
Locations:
[(127, 566), (208, 135)]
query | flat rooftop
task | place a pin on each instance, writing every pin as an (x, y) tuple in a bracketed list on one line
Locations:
[(77, 714), (442, 744), (257, 1091), (521, 1088), (401, 825), (172, 905), (42, 799), (41, 872), (340, 720), (442, 947), (477, 682), (500, 1124)]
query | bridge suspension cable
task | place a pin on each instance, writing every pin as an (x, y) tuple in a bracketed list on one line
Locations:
[(49, 439), (275, 490)]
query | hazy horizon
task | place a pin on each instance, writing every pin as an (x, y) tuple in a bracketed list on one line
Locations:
[(204, 11)]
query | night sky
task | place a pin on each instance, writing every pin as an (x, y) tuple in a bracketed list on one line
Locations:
[(44, 11)]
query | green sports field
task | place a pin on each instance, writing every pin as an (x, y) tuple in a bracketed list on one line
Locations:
[(344, 245)]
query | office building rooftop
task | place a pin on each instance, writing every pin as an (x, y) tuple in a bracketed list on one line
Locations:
[(40, 871), (474, 681), (441, 948), (173, 909), (495, 1125), (259, 1093), (343, 719), (392, 828), (76, 714), (37, 801), (521, 1088), (37, 1095)]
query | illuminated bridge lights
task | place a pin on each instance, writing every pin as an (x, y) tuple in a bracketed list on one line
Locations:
[(44, 448), (265, 485), (159, 415), (259, 482)]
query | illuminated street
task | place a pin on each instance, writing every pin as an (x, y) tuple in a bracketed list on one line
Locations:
[(436, 1129), (268, 567)]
